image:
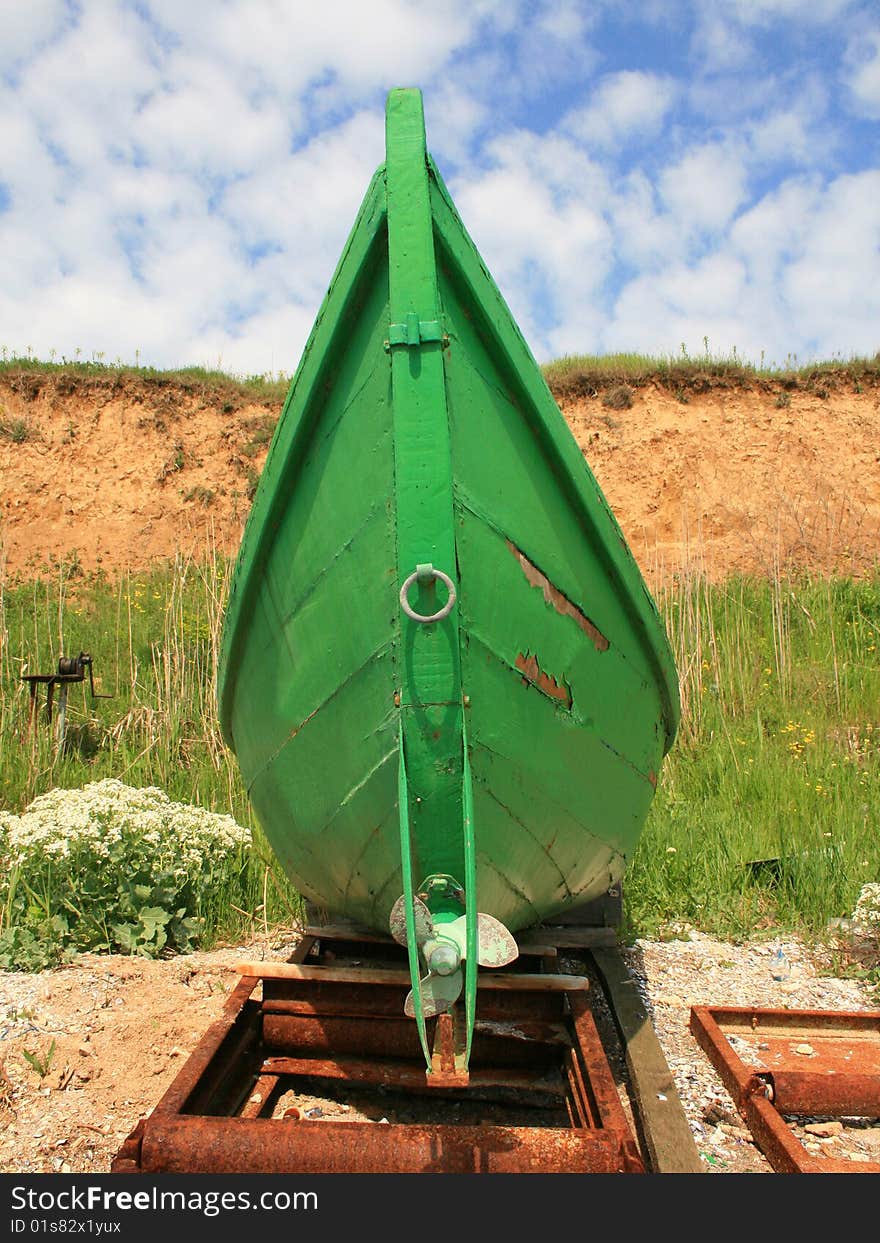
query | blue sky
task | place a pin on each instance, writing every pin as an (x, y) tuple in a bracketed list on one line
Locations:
[(177, 180)]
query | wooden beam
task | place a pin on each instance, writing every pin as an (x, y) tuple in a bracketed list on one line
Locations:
[(569, 937), (663, 1126), (511, 982)]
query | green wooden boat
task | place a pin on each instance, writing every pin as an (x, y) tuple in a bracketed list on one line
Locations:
[(447, 686)]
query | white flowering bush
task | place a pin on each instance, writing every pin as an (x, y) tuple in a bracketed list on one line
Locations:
[(867, 909), (112, 868)]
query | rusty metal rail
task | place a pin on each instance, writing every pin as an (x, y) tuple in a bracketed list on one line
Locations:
[(794, 1063), (334, 1018)]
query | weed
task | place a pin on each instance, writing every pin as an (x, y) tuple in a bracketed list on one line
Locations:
[(17, 430), (40, 1062), (205, 496), (20, 1015), (174, 464), (783, 399), (618, 398), (261, 431)]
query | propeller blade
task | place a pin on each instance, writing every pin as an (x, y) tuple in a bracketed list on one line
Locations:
[(397, 921), (495, 946), (439, 992)]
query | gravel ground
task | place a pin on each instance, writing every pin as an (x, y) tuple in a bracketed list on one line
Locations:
[(110, 1033), (675, 975)]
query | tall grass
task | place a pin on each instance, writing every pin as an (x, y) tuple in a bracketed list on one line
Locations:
[(767, 810), (154, 639)]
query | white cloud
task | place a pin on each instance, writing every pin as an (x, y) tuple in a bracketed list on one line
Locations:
[(274, 338), (645, 235), (788, 136), (835, 284), (762, 12), (306, 204), (565, 20), (180, 179), (786, 278), (364, 46), (774, 232), (536, 218), (83, 91), (623, 105), (205, 122), (454, 115), (704, 188), (684, 304), (28, 27), (719, 46), (863, 79)]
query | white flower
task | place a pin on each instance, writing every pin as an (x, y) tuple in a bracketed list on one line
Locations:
[(867, 909), (108, 814)]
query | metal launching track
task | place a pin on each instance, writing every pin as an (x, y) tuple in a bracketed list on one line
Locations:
[(539, 1095)]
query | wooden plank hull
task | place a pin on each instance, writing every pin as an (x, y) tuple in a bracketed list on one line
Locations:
[(551, 675)]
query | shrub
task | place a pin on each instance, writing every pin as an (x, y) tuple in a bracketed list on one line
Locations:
[(111, 868)]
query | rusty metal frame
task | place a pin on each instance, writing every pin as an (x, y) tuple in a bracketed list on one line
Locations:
[(216, 1115), (843, 1079)]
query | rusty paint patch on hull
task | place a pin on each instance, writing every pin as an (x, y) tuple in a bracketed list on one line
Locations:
[(534, 674), (554, 597)]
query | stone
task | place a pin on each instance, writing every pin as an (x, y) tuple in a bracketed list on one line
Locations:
[(870, 1137), (824, 1130)]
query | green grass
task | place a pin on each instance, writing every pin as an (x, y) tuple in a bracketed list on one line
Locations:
[(767, 809), (575, 375), (586, 375), (264, 387)]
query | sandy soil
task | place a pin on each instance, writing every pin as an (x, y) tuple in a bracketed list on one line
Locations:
[(124, 470), (111, 1033)]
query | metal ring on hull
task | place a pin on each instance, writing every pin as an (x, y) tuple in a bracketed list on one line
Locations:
[(420, 617)]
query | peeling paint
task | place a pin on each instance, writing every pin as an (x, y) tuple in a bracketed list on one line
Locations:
[(545, 682), (554, 597)]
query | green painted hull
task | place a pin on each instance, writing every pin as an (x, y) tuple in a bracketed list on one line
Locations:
[(418, 429)]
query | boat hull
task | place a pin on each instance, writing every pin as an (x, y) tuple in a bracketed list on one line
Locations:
[(537, 713)]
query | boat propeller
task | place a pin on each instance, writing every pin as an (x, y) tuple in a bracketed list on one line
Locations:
[(443, 947)]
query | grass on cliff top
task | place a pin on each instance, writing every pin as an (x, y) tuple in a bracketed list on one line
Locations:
[(268, 388), (576, 375), (584, 375), (766, 811)]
